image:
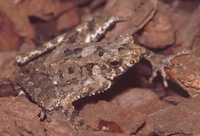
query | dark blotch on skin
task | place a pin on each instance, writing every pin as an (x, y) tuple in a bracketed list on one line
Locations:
[(40, 95), (31, 88), (101, 52), (72, 38), (89, 66), (68, 52), (103, 67), (99, 48), (74, 81), (44, 80), (70, 70), (77, 50), (108, 43), (91, 25), (50, 88)]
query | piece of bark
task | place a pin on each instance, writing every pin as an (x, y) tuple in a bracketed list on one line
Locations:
[(183, 118), (140, 100), (187, 75), (19, 117), (58, 124), (111, 118), (161, 30), (138, 12), (9, 39), (189, 30), (20, 11)]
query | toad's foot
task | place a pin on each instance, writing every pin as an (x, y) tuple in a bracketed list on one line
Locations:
[(73, 117), (159, 62)]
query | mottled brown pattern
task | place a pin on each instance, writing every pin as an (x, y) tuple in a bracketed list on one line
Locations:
[(73, 70)]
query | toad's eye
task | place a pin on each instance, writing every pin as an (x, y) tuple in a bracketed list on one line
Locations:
[(115, 63)]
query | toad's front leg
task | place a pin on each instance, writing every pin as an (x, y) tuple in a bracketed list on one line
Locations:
[(96, 84), (73, 116), (159, 62)]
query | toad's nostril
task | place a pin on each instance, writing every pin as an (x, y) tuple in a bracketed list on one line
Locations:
[(101, 54), (121, 48)]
